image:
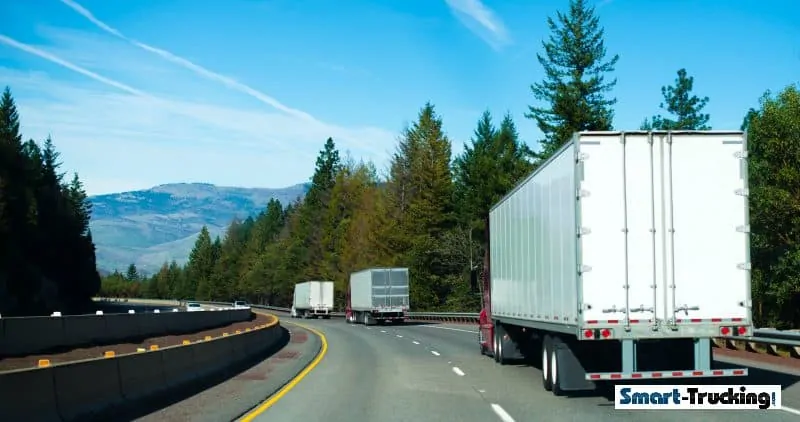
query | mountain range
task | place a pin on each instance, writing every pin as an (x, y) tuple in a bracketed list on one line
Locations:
[(153, 226)]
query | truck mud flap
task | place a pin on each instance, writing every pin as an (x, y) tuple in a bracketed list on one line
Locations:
[(572, 373)]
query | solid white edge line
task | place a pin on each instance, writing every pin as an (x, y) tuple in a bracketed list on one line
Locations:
[(435, 353), (790, 410), (458, 371), (450, 329), (501, 413)]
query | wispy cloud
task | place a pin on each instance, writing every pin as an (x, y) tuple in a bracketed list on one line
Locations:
[(480, 19), (225, 80), (131, 138)]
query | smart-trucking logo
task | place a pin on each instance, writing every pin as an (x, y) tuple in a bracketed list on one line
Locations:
[(697, 397)]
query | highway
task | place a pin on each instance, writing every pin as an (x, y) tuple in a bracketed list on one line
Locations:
[(435, 373)]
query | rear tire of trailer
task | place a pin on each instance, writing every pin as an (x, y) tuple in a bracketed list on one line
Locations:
[(499, 332), (547, 380), (556, 367)]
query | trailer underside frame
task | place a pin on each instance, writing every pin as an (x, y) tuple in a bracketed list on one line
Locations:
[(569, 364)]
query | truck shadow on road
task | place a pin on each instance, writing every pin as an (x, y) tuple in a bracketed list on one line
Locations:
[(151, 405)]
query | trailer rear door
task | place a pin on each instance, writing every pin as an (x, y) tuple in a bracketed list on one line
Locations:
[(664, 228)]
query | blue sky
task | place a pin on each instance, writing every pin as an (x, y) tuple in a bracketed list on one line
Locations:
[(245, 92)]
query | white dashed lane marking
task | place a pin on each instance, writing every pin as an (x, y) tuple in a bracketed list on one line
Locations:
[(498, 410), (504, 416)]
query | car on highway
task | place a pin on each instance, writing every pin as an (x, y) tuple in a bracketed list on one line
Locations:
[(193, 307), (240, 304)]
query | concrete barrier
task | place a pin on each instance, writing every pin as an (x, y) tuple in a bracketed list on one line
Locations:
[(31, 335), (96, 388)]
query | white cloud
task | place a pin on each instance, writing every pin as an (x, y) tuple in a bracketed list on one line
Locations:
[(128, 137), (300, 115), (479, 19)]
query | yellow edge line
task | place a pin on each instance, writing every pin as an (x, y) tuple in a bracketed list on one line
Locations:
[(289, 386)]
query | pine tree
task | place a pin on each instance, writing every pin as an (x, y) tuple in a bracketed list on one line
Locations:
[(681, 103), (774, 170), (132, 274), (575, 79)]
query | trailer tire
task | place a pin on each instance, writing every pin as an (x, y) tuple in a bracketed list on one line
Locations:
[(556, 373), (547, 380), (499, 332)]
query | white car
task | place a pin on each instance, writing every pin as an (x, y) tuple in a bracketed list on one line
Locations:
[(240, 304), (193, 307)]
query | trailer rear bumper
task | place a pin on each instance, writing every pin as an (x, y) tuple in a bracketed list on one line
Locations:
[(713, 373)]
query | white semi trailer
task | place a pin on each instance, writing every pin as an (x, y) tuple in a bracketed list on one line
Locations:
[(621, 258), (378, 295), (313, 299)]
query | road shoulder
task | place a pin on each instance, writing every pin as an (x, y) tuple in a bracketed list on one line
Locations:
[(248, 388)]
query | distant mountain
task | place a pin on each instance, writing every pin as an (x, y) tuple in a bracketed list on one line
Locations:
[(149, 227)]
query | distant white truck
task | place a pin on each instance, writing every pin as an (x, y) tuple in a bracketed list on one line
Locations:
[(313, 299), (378, 295)]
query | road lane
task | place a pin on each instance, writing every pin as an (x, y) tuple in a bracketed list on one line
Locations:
[(366, 376), (517, 388)]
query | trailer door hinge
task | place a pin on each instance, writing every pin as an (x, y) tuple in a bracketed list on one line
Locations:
[(744, 266), (582, 156), (584, 231), (583, 193), (743, 229), (584, 269), (743, 192), (741, 155)]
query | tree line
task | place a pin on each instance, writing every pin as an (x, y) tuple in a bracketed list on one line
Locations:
[(47, 256), (427, 214)]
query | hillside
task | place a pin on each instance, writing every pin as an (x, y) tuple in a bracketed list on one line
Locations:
[(151, 226)]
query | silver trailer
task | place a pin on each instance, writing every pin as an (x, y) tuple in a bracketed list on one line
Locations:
[(621, 257), (377, 295), (313, 299)]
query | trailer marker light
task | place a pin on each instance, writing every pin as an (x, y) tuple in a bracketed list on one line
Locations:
[(588, 333), (605, 332), (742, 331), (724, 331)]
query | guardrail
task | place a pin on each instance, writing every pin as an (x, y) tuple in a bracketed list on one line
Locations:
[(764, 340), (31, 335)]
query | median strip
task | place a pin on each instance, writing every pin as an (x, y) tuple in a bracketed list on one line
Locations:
[(131, 346)]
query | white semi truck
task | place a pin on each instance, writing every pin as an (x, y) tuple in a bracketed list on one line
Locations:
[(313, 299), (378, 295), (621, 258)]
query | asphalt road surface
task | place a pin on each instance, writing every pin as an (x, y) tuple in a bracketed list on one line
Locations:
[(435, 373)]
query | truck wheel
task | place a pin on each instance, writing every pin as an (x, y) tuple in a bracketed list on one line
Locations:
[(547, 381), (555, 369), (499, 357)]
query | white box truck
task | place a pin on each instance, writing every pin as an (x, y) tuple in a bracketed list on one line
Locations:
[(621, 258), (377, 295), (313, 299)]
